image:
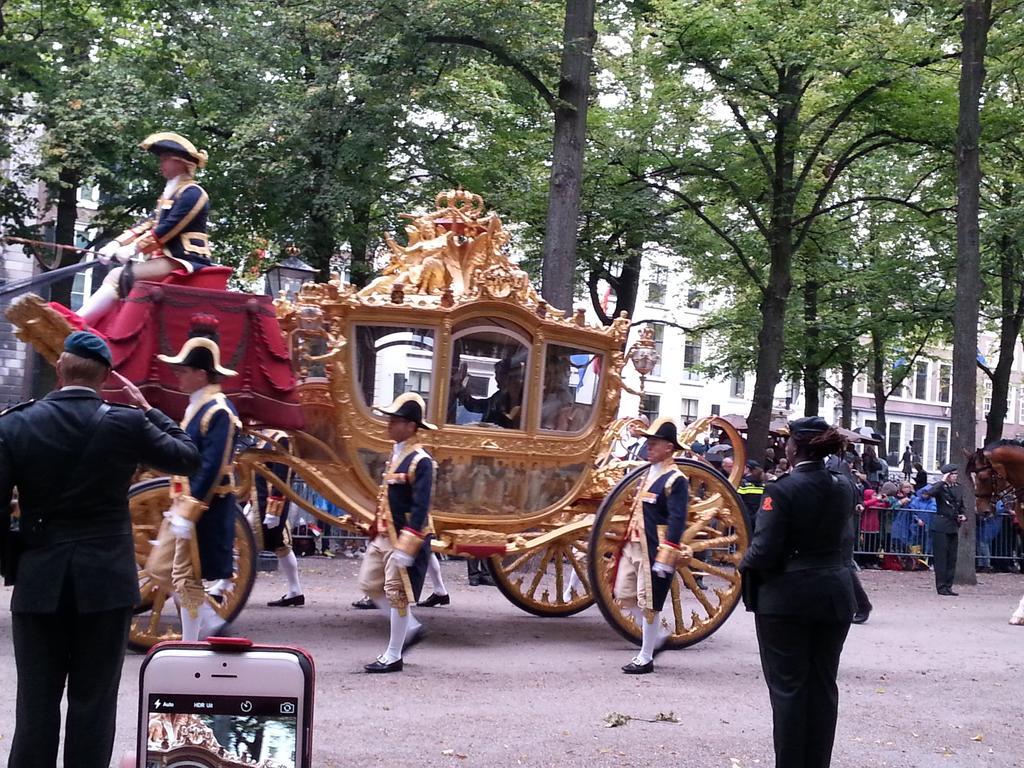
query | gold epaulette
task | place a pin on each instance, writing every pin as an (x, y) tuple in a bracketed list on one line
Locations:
[(220, 403)]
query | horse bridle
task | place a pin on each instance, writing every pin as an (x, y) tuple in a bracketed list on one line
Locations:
[(993, 478)]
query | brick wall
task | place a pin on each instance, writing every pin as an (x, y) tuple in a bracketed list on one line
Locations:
[(15, 372)]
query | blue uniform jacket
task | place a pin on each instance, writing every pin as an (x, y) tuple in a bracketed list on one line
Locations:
[(177, 228), (213, 428), (409, 489)]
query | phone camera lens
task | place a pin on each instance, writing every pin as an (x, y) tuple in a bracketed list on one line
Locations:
[(223, 663), (198, 675)]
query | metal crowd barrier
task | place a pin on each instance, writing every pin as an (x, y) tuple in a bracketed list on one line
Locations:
[(904, 532)]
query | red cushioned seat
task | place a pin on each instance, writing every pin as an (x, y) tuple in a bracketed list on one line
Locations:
[(214, 278)]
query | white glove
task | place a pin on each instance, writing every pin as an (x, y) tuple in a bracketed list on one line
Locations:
[(663, 569), (107, 252), (181, 527), (271, 521), (403, 559), (125, 253)]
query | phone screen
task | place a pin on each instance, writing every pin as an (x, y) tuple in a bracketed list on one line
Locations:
[(218, 731)]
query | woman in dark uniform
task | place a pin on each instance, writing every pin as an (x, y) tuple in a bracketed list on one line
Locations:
[(800, 590)]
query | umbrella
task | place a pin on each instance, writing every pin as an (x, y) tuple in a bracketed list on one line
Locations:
[(738, 422), (720, 448), (850, 436), (868, 435)]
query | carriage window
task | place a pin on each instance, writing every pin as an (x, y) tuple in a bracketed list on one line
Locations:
[(391, 361), (571, 384), (488, 375)]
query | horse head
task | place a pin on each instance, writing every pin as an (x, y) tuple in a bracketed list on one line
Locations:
[(984, 480)]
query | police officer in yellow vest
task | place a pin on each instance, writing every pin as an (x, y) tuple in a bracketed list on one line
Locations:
[(647, 564), (396, 560), (173, 237)]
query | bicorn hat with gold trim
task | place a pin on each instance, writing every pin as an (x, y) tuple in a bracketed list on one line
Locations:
[(201, 351), (167, 143), (664, 429), (410, 407)]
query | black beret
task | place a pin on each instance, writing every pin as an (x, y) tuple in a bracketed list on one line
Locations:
[(751, 464), (807, 426), (947, 468), (90, 346)]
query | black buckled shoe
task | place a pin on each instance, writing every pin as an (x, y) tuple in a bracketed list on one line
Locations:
[(861, 617), (378, 667), (435, 599), (638, 669), (288, 602), (364, 604)]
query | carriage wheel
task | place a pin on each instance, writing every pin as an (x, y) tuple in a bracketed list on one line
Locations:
[(551, 579), (715, 530), (157, 618)]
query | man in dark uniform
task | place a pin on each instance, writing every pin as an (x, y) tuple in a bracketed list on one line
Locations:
[(196, 540), (945, 527), (751, 490), (277, 538), (798, 585), (396, 560), (71, 458), (173, 237), (648, 559)]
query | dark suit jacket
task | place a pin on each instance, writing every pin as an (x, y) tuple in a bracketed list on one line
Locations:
[(75, 519), (949, 502), (795, 564)]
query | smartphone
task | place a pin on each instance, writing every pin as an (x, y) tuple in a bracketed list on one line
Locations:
[(205, 705)]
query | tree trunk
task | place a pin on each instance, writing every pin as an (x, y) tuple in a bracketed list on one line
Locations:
[(770, 338), (361, 266), (847, 377), (878, 378), (1011, 319), (812, 332), (963, 441), (559, 271), (64, 231)]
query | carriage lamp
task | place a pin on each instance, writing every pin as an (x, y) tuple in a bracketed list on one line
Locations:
[(644, 355), (289, 275)]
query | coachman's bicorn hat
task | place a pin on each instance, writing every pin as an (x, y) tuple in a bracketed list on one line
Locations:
[(664, 429), (410, 407), (201, 351), (167, 143)]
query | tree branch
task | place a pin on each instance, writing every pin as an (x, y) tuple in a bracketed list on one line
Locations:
[(503, 56)]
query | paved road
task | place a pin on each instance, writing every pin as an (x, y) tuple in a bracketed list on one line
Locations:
[(929, 681)]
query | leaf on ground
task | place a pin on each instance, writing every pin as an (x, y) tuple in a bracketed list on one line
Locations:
[(666, 717), (978, 737), (615, 719)]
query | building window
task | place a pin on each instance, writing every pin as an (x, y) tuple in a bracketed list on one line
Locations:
[(688, 411), (1011, 409), (986, 405), (945, 376), (738, 387), (921, 381), (650, 406), (869, 385), (691, 356), (659, 347), (895, 437), (694, 299), (941, 446), (1020, 404), (918, 450), (656, 285)]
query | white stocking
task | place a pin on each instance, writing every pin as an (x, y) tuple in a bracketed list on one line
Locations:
[(414, 625), (649, 644), (290, 568), (434, 571), (399, 628), (190, 626), (575, 583), (1018, 615), (97, 305), (209, 621)]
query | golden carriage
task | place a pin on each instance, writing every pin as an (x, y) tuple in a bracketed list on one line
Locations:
[(526, 402)]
